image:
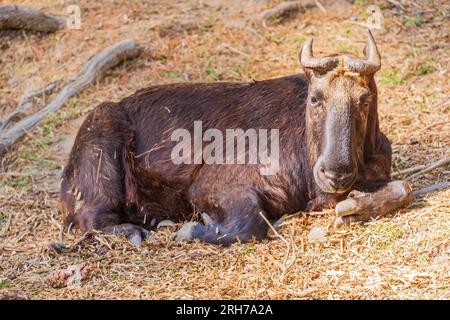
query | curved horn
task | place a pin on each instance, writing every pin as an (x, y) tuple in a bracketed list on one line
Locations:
[(371, 64), (307, 59)]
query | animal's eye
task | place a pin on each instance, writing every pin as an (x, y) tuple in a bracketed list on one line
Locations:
[(365, 100), (314, 101)]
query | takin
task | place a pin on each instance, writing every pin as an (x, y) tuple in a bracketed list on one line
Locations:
[(121, 177)]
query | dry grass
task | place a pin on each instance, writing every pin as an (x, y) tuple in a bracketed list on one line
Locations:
[(405, 256)]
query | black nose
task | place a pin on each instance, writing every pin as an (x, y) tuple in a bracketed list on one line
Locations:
[(337, 179)]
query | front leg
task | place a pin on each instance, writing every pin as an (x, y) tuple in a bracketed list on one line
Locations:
[(383, 198), (377, 195), (235, 216)]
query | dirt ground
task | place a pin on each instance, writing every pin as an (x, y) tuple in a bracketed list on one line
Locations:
[(404, 256)]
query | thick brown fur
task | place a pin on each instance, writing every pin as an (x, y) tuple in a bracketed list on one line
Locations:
[(120, 169)]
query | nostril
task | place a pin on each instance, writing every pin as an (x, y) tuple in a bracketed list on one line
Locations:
[(329, 174), (346, 176), (336, 178)]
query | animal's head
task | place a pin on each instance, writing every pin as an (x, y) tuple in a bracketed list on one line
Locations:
[(341, 114)]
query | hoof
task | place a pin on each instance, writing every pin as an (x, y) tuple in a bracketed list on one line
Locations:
[(135, 234), (346, 207), (207, 219), (166, 223), (185, 233)]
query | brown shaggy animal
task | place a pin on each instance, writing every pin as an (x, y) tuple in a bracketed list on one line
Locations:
[(121, 177)]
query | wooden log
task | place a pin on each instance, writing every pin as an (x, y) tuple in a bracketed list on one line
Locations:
[(443, 162), (433, 188), (285, 9), (93, 70), (13, 16), (409, 170), (26, 104)]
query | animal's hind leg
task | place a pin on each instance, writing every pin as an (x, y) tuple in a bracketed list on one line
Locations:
[(236, 216), (92, 189)]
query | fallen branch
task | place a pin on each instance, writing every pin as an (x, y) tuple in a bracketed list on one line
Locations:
[(27, 104), (422, 168), (430, 189), (13, 16), (396, 4), (93, 70), (285, 9), (320, 6), (432, 166), (409, 170), (176, 27)]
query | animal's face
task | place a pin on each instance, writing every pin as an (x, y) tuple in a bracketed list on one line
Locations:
[(337, 112), (341, 96)]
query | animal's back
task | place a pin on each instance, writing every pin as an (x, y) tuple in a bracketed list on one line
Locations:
[(157, 111)]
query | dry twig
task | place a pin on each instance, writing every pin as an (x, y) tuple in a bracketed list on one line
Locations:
[(422, 168), (435, 187), (444, 161)]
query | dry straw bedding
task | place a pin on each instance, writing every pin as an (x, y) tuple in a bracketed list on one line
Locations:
[(402, 256)]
